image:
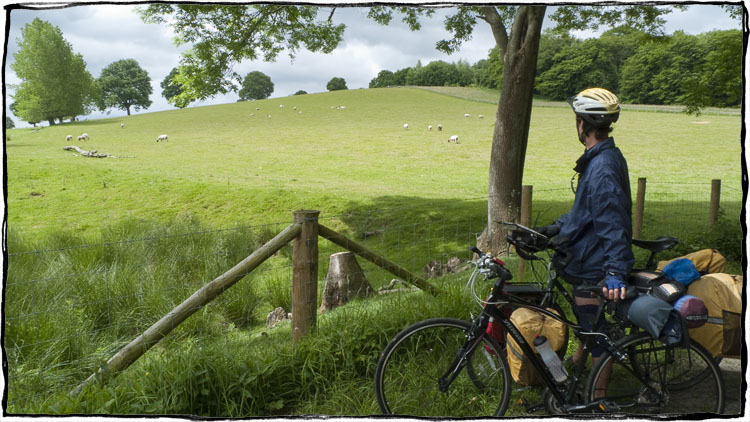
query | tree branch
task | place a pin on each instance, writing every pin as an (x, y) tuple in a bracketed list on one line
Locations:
[(492, 17)]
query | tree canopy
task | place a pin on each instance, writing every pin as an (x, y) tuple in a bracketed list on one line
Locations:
[(170, 89), (336, 84), (256, 86), (54, 81), (125, 84), (222, 35)]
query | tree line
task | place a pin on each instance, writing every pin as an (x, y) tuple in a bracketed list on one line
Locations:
[(55, 84), (696, 71)]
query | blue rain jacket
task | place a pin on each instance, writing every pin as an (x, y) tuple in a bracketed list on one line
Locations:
[(599, 225)]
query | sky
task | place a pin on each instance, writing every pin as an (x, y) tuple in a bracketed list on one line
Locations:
[(105, 33)]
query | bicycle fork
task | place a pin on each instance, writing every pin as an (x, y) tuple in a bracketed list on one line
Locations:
[(460, 362)]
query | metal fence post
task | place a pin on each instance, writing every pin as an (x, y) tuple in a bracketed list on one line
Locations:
[(305, 274), (639, 205)]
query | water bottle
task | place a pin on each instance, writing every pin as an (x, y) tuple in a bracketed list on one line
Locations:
[(550, 359)]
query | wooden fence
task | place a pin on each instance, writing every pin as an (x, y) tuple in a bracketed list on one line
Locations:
[(304, 232)]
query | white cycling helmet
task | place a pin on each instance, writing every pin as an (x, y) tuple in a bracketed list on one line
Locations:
[(597, 106)]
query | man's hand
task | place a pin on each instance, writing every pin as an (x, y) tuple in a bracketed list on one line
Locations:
[(614, 287), (550, 231)]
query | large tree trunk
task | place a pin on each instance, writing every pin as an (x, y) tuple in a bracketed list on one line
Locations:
[(513, 118)]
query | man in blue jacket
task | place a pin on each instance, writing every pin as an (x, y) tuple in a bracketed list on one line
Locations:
[(599, 226)]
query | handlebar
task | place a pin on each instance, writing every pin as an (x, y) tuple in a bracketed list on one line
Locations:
[(490, 266)]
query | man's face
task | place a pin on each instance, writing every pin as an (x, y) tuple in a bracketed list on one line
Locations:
[(581, 135)]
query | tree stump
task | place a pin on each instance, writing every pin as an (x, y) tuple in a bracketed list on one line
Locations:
[(345, 281)]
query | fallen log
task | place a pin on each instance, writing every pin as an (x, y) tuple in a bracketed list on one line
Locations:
[(92, 153)]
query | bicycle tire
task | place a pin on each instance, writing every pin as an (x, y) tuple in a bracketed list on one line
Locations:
[(666, 368), (406, 377)]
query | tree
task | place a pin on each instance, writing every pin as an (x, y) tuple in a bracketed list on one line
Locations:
[(9, 123), (336, 84), (125, 84), (54, 81), (300, 92), (516, 30), (384, 79), (171, 89), (256, 86)]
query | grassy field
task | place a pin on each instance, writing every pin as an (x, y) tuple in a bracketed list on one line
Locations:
[(102, 248)]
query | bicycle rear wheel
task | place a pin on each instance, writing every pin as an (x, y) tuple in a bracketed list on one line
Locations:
[(406, 378), (665, 369)]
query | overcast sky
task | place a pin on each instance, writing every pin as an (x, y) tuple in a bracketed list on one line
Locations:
[(105, 33)]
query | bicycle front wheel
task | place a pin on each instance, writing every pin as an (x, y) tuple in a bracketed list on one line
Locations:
[(406, 378), (651, 379)]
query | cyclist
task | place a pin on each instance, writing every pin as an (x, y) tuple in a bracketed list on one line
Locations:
[(599, 225)]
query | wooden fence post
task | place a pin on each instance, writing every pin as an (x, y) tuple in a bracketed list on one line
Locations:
[(639, 205), (526, 193), (713, 212), (305, 274)]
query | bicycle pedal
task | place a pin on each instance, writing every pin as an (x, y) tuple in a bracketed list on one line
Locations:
[(530, 408), (608, 407)]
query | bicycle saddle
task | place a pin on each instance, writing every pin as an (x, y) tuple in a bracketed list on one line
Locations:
[(657, 245)]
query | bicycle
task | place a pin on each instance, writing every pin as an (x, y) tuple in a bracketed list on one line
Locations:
[(450, 367)]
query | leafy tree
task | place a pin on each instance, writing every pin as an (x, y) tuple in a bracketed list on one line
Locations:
[(384, 79), (171, 89), (54, 81), (14, 109), (256, 86), (437, 73), (221, 35), (336, 84), (125, 84), (9, 123), (717, 80), (300, 92), (400, 76)]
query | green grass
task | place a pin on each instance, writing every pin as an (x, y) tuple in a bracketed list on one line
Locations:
[(102, 248)]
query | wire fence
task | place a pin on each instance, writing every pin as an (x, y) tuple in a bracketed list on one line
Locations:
[(72, 303)]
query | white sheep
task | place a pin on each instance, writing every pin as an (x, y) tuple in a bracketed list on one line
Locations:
[(406, 126), (122, 125), (69, 137), (481, 117), (467, 115), (257, 108), (429, 127), (162, 138), (83, 137), (294, 108), (453, 138), (281, 105), (440, 127)]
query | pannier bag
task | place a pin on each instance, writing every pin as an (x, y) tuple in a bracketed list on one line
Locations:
[(531, 323), (669, 291), (693, 310), (721, 335), (706, 261)]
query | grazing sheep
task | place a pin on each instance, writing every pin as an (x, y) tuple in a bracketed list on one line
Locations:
[(69, 137), (467, 115), (83, 137), (281, 105), (440, 127), (294, 108), (162, 138), (257, 108), (453, 138), (429, 127), (481, 117), (252, 114), (406, 126), (269, 115), (122, 125)]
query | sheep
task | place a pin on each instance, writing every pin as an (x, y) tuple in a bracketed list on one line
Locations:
[(440, 127), (162, 138), (429, 127), (481, 116), (294, 108), (281, 105), (453, 138), (467, 115), (69, 137), (257, 108), (406, 126), (122, 125), (83, 137)]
